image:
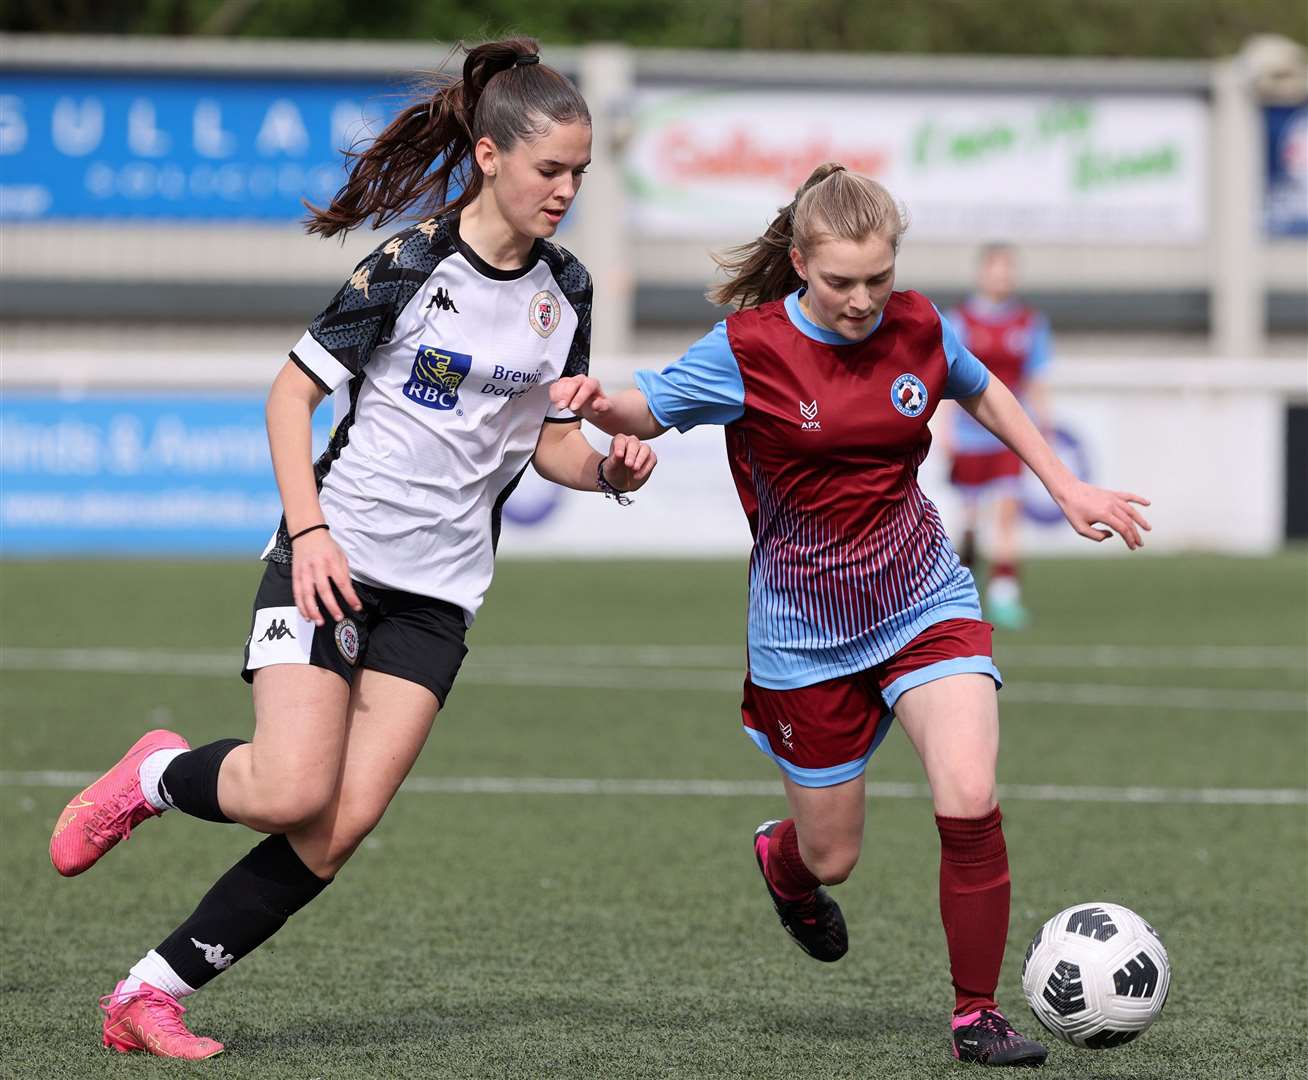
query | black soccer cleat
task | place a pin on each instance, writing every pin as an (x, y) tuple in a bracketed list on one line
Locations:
[(815, 922), (991, 1040)]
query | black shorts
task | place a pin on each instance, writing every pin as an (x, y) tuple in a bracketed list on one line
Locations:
[(412, 637)]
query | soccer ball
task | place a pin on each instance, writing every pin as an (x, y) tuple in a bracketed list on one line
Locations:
[(1096, 975)]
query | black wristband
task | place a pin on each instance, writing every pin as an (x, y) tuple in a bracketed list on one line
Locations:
[(609, 491), (311, 528)]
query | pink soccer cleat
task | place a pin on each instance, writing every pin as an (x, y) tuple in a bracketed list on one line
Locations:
[(149, 1019), (108, 810)]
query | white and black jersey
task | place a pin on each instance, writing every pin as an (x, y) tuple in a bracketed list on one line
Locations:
[(448, 362)]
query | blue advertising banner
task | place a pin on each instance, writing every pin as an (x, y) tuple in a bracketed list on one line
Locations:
[(110, 474), (1286, 198), (162, 147)]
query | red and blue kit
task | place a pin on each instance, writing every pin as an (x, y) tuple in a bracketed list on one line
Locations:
[(855, 592), (1014, 342)]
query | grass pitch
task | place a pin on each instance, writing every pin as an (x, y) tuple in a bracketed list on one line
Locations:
[(528, 909)]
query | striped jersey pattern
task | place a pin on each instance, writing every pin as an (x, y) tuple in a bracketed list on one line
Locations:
[(851, 560)]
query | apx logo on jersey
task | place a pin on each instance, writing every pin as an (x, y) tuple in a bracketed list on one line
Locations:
[(436, 377), (908, 395)]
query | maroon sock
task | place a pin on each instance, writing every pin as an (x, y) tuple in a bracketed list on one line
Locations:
[(1004, 569), (974, 899), (785, 869)]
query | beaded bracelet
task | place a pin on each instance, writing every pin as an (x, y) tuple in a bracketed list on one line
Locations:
[(610, 492)]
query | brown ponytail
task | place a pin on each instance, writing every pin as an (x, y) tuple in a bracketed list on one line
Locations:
[(505, 94), (832, 202)]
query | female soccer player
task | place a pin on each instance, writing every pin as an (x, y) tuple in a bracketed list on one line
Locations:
[(825, 379), (1012, 340), (446, 339)]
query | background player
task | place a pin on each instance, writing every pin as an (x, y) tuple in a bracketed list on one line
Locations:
[(445, 339), (825, 380), (1013, 341)]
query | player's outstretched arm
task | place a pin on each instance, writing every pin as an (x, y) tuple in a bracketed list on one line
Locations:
[(626, 413), (1085, 506), (318, 562), (564, 456)]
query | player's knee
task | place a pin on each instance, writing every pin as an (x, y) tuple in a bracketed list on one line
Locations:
[(968, 797), (347, 831), (832, 863), (290, 808)]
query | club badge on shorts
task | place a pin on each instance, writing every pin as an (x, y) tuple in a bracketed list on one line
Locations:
[(347, 640), (909, 395), (544, 313)]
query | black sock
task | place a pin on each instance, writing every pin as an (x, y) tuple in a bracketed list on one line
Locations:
[(245, 907), (190, 783)]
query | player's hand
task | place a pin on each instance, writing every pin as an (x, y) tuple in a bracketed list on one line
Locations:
[(1086, 507), (580, 394), (629, 463), (318, 564)]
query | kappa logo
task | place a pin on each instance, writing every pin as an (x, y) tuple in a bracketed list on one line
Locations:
[(808, 414), (442, 302), (359, 280), (909, 395), (277, 629), (436, 377), (213, 954)]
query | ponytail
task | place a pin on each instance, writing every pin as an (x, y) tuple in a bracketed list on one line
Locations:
[(831, 203), (504, 94)]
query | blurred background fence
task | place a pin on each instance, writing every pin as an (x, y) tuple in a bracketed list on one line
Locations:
[(153, 271)]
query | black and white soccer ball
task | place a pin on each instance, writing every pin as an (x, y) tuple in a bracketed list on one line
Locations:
[(1096, 975)]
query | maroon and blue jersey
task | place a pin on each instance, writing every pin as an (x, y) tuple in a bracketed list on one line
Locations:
[(1013, 341), (825, 437)]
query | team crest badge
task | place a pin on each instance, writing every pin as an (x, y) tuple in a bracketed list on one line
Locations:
[(908, 395), (347, 640), (544, 313)]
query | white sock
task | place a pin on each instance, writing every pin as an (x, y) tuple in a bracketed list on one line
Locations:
[(155, 970), (150, 772), (1004, 590)]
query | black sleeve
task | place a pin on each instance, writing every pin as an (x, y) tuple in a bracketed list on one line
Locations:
[(341, 339)]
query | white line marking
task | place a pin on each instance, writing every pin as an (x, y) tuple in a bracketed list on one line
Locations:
[(507, 785), (550, 670)]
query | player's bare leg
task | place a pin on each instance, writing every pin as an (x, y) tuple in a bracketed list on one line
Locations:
[(287, 774), (389, 721), (817, 845), (1003, 588), (829, 826), (953, 724)]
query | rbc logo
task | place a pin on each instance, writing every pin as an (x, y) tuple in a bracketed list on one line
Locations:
[(436, 377)]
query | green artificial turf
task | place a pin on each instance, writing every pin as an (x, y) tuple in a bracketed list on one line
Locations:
[(627, 935)]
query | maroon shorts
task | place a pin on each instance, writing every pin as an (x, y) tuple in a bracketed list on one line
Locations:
[(996, 469), (824, 734)]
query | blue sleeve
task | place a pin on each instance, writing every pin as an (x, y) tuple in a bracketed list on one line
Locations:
[(1040, 350), (703, 387), (967, 375)]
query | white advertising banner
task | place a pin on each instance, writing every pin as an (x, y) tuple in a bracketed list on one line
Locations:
[(1101, 167), (1204, 441)]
